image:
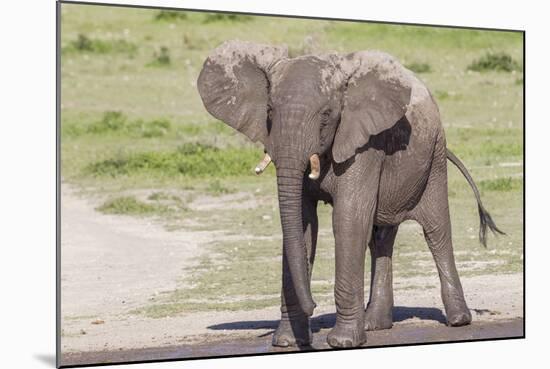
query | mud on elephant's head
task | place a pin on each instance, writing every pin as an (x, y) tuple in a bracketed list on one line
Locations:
[(307, 104), (301, 109)]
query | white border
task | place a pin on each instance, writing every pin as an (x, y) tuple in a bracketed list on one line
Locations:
[(27, 192)]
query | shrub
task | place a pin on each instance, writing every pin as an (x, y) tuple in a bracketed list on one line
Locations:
[(83, 43), (154, 128), (116, 122), (161, 58), (163, 196), (494, 61), (129, 205), (419, 67), (70, 129), (111, 121), (215, 187), (441, 94), (196, 148), (192, 43), (220, 17), (170, 15)]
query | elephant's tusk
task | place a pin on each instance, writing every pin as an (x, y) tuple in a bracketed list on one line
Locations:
[(315, 166), (263, 164)]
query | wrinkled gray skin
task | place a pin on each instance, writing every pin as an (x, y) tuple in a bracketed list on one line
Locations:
[(378, 133)]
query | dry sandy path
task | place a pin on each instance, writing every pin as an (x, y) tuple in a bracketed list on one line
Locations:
[(113, 264)]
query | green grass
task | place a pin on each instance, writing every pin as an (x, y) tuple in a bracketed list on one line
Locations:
[(190, 160), (129, 205), (501, 184), (115, 122), (219, 283), (486, 146), (132, 120)]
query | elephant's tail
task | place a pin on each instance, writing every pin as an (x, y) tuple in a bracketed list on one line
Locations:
[(485, 219)]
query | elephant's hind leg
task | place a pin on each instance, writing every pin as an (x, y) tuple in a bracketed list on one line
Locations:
[(294, 327), (379, 309), (433, 215)]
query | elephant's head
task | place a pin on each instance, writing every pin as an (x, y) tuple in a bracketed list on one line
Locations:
[(300, 109)]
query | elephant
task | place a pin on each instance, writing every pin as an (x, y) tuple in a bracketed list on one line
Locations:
[(362, 133)]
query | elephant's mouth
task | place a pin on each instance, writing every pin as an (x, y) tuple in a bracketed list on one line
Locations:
[(314, 163)]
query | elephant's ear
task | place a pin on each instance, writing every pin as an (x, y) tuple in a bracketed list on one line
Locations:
[(233, 85), (376, 97)]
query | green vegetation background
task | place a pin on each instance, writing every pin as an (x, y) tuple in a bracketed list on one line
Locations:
[(132, 120)]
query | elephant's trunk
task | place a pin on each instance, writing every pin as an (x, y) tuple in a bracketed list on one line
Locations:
[(290, 177)]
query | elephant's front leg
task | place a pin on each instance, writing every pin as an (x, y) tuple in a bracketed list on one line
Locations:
[(352, 221), (294, 326), (351, 229)]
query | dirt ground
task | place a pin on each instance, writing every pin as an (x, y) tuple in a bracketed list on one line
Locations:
[(114, 264), (399, 335)]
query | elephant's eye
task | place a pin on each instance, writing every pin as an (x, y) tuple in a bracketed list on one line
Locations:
[(269, 112), (325, 117)]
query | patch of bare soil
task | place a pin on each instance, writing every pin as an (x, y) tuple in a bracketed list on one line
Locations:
[(114, 264)]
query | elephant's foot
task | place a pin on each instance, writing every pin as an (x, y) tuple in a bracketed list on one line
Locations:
[(378, 317), (459, 318), (347, 335), (458, 313), (295, 332)]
